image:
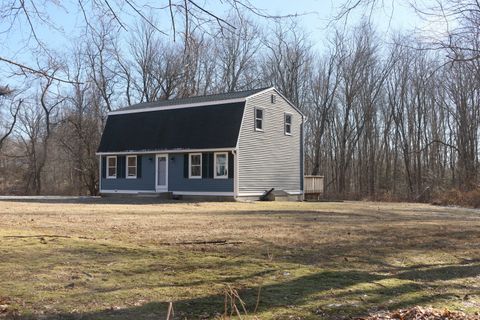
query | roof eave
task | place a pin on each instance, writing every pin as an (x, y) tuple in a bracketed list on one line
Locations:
[(179, 150), (179, 106), (206, 103), (281, 95)]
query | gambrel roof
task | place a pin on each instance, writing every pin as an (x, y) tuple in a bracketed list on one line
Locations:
[(193, 100), (201, 122), (203, 127)]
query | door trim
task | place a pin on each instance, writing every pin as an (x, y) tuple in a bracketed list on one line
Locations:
[(157, 187)]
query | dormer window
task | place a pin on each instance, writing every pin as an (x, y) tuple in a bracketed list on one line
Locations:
[(288, 124), (258, 119)]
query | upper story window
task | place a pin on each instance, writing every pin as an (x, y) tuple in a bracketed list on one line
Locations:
[(288, 124), (258, 119), (221, 165), (111, 167), (195, 166), (131, 167)]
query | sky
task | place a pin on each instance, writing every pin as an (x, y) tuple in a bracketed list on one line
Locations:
[(67, 22), (322, 12)]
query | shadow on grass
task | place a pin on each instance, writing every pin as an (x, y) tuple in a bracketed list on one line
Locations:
[(327, 294), (441, 273), (357, 293), (291, 292), (371, 247)]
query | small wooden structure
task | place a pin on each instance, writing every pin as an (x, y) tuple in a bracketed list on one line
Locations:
[(313, 186)]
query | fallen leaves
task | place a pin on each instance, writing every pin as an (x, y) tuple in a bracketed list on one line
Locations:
[(6, 310), (420, 313)]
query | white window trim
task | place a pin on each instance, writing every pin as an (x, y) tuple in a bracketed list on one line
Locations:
[(190, 155), (255, 119), (215, 165), (126, 167), (108, 167), (285, 123)]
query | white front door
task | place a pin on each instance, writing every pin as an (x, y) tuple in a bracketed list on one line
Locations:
[(161, 177)]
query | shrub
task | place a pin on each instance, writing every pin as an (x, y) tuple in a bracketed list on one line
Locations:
[(459, 198)]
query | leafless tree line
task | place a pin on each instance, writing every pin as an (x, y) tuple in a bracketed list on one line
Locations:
[(394, 119)]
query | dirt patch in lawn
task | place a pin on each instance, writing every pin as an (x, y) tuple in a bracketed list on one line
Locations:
[(285, 260)]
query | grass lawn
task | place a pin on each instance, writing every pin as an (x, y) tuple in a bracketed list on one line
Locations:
[(295, 260)]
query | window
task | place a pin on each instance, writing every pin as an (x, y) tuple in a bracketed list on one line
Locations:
[(288, 124), (131, 167), (221, 165), (258, 119), (195, 166), (111, 167)]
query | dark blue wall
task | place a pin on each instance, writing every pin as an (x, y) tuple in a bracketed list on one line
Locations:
[(145, 183), (176, 180)]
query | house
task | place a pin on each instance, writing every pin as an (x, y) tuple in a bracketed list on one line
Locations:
[(238, 144)]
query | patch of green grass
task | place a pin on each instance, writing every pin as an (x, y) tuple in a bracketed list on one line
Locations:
[(315, 261)]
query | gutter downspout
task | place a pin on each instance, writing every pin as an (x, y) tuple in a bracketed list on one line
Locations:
[(235, 172)]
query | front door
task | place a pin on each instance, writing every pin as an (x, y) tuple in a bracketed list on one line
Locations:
[(161, 179)]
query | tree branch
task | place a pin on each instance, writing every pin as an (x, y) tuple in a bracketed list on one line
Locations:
[(213, 15), (12, 125), (144, 18), (42, 73)]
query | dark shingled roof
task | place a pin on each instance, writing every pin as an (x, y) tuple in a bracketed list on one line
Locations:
[(203, 127), (197, 99)]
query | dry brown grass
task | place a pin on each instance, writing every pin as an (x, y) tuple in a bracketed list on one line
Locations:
[(310, 259)]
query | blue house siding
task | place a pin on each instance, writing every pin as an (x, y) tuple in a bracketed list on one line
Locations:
[(177, 181), (145, 183)]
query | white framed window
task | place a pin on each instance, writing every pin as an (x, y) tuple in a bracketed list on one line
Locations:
[(220, 164), (111, 167), (195, 166), (288, 124), (131, 167), (258, 119)]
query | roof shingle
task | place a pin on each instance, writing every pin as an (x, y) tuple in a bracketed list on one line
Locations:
[(204, 127), (196, 99)]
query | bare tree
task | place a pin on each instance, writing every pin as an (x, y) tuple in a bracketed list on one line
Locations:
[(10, 116), (236, 53), (37, 128), (100, 54), (287, 62), (78, 133), (324, 84), (146, 50)]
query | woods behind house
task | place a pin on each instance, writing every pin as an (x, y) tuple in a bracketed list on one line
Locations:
[(393, 118)]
